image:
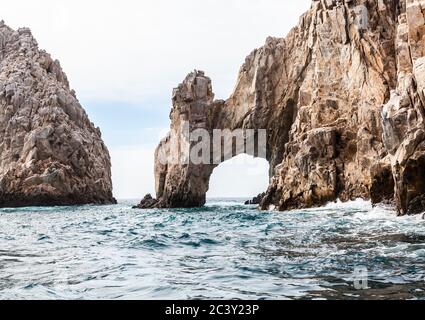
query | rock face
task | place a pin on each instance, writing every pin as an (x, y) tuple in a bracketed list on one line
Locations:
[(403, 115), (342, 99), (50, 153)]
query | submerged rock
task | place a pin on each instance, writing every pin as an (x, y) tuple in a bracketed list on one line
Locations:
[(342, 99), (50, 152), (148, 202)]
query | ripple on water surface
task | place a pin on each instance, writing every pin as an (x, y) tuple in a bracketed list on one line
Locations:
[(225, 250)]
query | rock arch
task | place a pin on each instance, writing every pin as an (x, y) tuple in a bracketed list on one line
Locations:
[(181, 180), (233, 129), (342, 102)]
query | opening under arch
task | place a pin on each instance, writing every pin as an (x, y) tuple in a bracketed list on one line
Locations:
[(240, 177)]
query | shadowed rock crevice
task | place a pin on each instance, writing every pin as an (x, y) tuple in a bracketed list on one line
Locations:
[(382, 189), (342, 100)]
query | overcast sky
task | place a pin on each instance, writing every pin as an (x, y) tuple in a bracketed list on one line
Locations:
[(124, 57)]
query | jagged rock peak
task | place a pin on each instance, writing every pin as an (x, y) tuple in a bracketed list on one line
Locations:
[(50, 152)]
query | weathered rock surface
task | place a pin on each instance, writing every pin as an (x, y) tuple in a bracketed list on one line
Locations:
[(342, 98), (50, 153)]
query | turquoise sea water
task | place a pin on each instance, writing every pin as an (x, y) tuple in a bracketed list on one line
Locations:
[(225, 250)]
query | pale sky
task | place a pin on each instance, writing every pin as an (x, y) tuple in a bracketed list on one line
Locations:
[(123, 58)]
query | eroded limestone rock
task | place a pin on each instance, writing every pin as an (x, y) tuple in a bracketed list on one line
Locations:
[(50, 152)]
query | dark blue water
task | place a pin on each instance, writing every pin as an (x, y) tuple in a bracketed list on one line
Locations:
[(225, 250)]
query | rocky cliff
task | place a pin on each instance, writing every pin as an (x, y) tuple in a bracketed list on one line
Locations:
[(50, 153), (342, 99)]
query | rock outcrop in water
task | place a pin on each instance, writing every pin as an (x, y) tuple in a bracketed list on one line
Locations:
[(256, 200), (50, 153), (342, 98)]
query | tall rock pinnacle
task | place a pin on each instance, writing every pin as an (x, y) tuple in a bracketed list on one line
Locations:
[(50, 153)]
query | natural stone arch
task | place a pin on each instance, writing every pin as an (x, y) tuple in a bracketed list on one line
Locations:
[(342, 100), (181, 179)]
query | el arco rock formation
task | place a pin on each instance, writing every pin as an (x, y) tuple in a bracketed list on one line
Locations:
[(342, 98), (50, 153)]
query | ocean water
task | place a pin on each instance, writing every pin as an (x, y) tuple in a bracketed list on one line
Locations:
[(223, 251)]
